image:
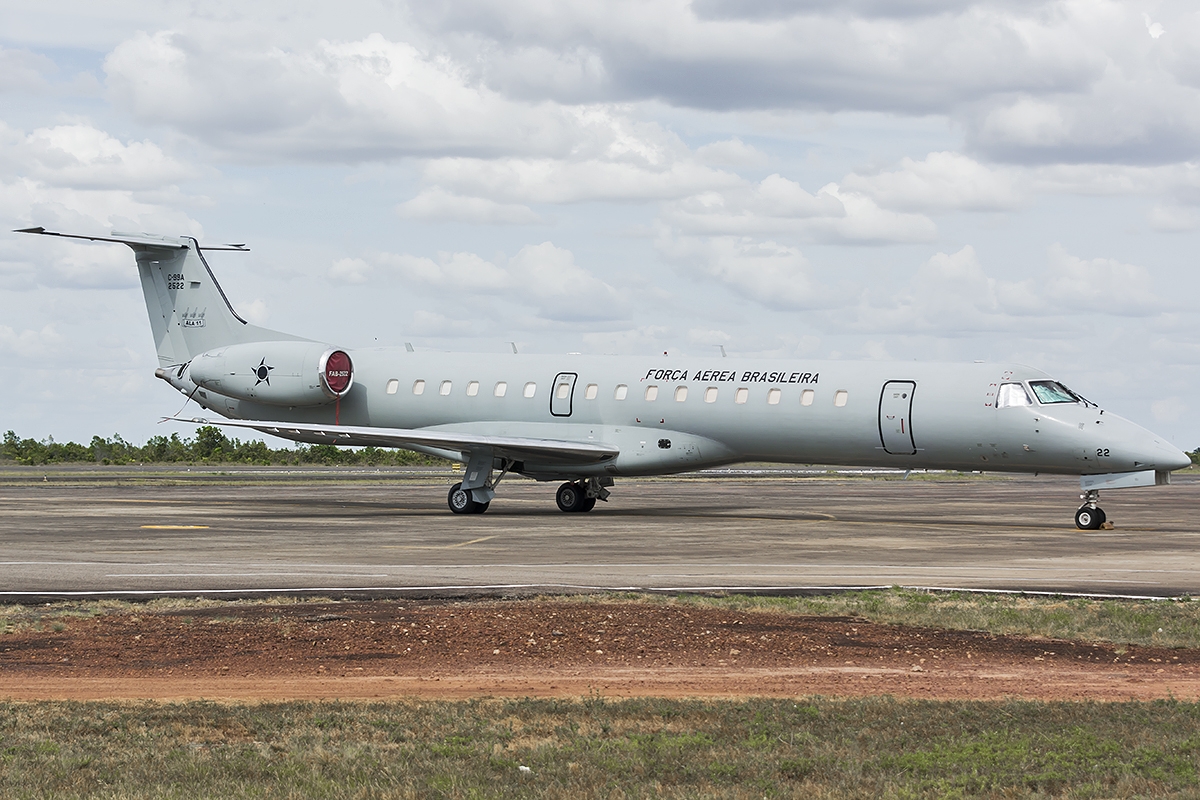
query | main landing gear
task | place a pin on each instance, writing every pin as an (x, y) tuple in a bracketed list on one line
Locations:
[(580, 495), (461, 502), (1090, 516)]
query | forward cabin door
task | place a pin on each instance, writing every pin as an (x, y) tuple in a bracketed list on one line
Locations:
[(895, 417), (562, 394)]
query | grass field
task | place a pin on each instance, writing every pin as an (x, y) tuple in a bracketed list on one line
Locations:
[(600, 749)]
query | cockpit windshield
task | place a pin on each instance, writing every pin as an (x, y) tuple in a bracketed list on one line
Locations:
[(1052, 392), (1012, 394)]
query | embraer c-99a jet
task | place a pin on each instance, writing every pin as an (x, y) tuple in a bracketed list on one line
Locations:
[(587, 420)]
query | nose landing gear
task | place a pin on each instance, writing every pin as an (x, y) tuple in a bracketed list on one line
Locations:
[(1090, 516)]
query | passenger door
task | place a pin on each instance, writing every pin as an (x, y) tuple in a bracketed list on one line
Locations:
[(895, 417), (562, 394)]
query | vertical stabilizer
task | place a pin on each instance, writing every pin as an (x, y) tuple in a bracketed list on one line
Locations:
[(189, 313)]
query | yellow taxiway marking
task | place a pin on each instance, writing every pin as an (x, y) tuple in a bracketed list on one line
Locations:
[(436, 546), (174, 527)]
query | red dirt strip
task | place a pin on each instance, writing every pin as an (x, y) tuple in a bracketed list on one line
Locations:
[(453, 650)]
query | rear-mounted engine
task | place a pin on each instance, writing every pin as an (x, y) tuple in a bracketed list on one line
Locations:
[(276, 373)]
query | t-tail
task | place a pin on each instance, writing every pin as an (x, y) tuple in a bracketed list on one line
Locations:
[(189, 312), (204, 346)]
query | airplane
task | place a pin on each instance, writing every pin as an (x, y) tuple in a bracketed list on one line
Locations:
[(588, 420)]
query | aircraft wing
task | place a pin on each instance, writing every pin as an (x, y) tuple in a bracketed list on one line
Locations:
[(516, 447)]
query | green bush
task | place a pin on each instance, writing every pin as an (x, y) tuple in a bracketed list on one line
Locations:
[(210, 445)]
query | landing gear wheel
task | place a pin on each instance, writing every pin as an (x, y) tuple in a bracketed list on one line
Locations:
[(572, 497), (461, 502), (1089, 519), (588, 504)]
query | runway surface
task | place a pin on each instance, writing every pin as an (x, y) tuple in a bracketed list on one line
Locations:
[(225, 531)]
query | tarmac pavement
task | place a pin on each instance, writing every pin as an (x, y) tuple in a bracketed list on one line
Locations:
[(224, 531)]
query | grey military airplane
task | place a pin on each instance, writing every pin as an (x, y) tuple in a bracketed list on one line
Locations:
[(587, 420)]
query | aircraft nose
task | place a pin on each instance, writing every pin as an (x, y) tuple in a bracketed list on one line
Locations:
[(1172, 458)]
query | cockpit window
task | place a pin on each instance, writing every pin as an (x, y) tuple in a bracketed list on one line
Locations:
[(1052, 392), (1012, 394)]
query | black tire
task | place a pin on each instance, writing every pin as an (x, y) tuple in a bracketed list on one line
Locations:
[(1088, 518), (588, 504), (482, 507), (460, 501), (1103, 516), (570, 497)]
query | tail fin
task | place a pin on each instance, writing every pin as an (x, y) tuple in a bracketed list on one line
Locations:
[(189, 313)]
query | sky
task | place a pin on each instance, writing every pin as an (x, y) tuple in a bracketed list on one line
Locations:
[(1010, 180)]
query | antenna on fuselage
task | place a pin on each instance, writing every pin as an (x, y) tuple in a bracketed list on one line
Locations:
[(514, 347), (722, 348)]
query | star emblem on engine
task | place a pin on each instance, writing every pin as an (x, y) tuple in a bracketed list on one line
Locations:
[(263, 373)]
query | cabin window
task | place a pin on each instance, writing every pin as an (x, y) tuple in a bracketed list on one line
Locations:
[(530, 389), (743, 394), (445, 388), (651, 394), (472, 388), (1052, 392), (840, 397), (1012, 394), (622, 391), (501, 389), (710, 394), (592, 390), (392, 386), (418, 387), (807, 396), (773, 397), (563, 390), (680, 394)]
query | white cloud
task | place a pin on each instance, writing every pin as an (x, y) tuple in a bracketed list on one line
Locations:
[(731, 152), (22, 69), (255, 311), (80, 156), (357, 100), (943, 181), (79, 179), (350, 270), (779, 205), (30, 344), (639, 340), (1173, 218), (435, 204), (1169, 409), (766, 272), (543, 277), (952, 293)]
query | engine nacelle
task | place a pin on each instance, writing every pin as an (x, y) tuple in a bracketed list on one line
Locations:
[(277, 373)]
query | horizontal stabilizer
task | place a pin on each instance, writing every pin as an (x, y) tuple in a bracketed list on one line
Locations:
[(142, 239), (515, 447)]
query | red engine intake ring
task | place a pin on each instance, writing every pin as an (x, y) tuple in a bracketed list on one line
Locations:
[(337, 373)]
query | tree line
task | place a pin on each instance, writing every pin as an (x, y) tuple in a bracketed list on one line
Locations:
[(212, 446), (209, 446)]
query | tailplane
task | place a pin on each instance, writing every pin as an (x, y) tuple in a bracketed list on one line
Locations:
[(189, 312)]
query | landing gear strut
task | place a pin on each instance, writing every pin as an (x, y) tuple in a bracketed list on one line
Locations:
[(1090, 516), (581, 495)]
